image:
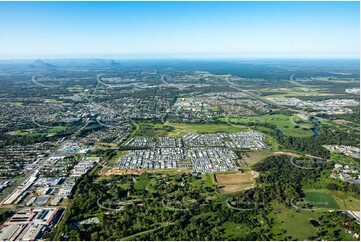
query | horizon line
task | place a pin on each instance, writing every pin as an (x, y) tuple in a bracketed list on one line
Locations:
[(172, 57)]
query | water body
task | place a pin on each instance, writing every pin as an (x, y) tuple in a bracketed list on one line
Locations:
[(279, 132), (314, 223), (315, 126)]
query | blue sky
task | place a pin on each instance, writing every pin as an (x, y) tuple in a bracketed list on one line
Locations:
[(179, 29)]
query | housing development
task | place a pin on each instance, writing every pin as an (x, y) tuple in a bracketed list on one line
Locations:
[(120, 151), (180, 121)]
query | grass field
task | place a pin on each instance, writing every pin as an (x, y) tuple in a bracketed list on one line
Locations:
[(143, 182), (13, 103), (320, 199), (206, 178), (343, 159), (287, 124), (204, 128), (153, 130), (214, 109), (296, 224), (234, 231), (56, 129), (29, 132), (289, 92), (346, 201)]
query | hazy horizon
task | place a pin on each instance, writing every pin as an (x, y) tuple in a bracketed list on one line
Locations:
[(151, 30)]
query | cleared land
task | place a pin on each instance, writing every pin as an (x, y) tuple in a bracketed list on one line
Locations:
[(250, 158), (234, 188), (234, 178), (234, 182)]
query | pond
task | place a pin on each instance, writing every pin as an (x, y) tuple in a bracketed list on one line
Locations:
[(315, 126), (315, 223)]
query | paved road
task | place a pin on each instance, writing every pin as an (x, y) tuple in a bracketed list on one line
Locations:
[(296, 83), (249, 93), (99, 81), (40, 84), (162, 78)]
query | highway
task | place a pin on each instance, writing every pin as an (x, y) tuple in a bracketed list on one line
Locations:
[(265, 100), (40, 84)]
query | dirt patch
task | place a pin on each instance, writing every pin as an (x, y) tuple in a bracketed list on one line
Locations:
[(234, 188), (235, 182), (234, 178), (286, 153), (105, 172), (253, 157), (342, 121)]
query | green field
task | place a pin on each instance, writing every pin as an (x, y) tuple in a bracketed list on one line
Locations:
[(153, 130), (292, 221), (297, 225), (343, 159), (214, 109), (320, 199), (206, 178), (346, 201), (13, 103), (234, 231), (205, 128), (287, 124), (30, 132), (56, 129), (290, 92), (144, 182)]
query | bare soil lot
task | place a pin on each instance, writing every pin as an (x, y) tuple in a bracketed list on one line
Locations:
[(234, 182), (234, 188), (234, 178), (255, 156)]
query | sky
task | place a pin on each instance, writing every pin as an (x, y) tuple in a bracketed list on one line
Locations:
[(179, 29)]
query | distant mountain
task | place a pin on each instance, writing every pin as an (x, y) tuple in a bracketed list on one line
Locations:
[(39, 64), (114, 63)]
